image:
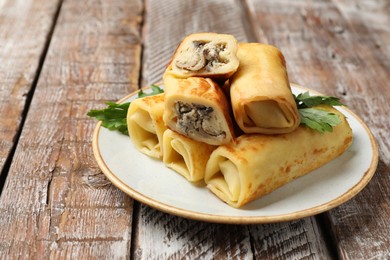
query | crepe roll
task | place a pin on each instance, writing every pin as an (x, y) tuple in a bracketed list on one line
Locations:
[(145, 124), (260, 92), (205, 54), (256, 165), (186, 156), (197, 108)]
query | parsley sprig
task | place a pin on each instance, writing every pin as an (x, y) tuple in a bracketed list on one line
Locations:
[(155, 91), (114, 115), (314, 118)]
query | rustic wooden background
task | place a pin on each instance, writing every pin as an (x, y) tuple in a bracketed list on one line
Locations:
[(61, 58)]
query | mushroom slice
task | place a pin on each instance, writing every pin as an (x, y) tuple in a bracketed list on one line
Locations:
[(197, 108), (209, 55)]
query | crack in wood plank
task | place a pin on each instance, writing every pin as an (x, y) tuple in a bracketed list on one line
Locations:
[(28, 93)]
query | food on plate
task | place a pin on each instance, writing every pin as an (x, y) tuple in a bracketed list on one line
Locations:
[(257, 164), (186, 156), (260, 92), (145, 124), (190, 127), (208, 55), (197, 108)]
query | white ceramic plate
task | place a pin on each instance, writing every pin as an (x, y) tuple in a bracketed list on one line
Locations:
[(149, 181)]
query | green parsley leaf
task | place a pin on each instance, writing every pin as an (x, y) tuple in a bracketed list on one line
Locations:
[(319, 120), (113, 117), (155, 91), (304, 100), (314, 118)]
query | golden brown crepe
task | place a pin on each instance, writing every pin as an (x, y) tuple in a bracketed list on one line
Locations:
[(197, 108), (256, 164), (208, 55), (260, 92), (145, 124), (186, 156)]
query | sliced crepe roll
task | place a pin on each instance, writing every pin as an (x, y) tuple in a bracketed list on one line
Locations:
[(186, 156), (197, 108), (256, 165), (145, 124), (260, 92), (205, 54)]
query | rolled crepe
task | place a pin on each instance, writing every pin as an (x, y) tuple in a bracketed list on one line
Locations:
[(209, 55), (256, 165), (145, 124), (197, 108), (260, 92), (186, 156)]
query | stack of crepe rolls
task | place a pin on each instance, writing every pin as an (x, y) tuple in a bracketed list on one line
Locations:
[(257, 164), (190, 126), (209, 55), (195, 105)]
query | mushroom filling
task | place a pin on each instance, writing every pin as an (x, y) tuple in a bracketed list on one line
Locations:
[(201, 55), (197, 120)]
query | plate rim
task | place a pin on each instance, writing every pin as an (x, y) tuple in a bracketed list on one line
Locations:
[(214, 218)]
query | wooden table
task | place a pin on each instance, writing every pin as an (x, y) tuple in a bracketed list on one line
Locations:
[(59, 59)]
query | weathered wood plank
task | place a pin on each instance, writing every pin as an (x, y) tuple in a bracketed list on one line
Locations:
[(56, 202), (370, 22), (368, 216), (22, 44), (162, 236), (341, 48), (301, 239)]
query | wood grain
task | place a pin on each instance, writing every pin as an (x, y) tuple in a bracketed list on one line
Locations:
[(341, 48), (56, 202), (162, 236), (175, 237), (302, 239), (22, 45), (367, 217)]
